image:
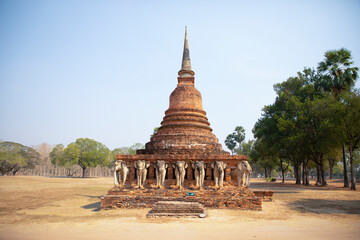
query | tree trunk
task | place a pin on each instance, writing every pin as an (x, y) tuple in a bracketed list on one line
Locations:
[(305, 172), (331, 170), (346, 179), (352, 171), (283, 169), (318, 178), (297, 171), (322, 171), (331, 167), (266, 173), (83, 172), (270, 170)]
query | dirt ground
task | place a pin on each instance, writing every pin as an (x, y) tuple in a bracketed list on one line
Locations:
[(65, 208)]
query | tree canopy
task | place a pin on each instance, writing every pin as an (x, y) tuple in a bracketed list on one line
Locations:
[(234, 139), (14, 156), (84, 152), (308, 121)]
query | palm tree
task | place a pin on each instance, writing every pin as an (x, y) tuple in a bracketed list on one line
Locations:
[(337, 75), (336, 70)]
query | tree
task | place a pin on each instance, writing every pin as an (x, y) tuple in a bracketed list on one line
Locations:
[(245, 147), (235, 138), (297, 127), (57, 155), (230, 143), (14, 156), (338, 75), (86, 153), (44, 150), (350, 128), (338, 72), (260, 156), (58, 158)]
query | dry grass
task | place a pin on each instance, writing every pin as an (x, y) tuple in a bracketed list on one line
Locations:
[(63, 208)]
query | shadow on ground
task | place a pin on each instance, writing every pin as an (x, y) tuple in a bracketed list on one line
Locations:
[(285, 186), (94, 207), (89, 196), (322, 206)]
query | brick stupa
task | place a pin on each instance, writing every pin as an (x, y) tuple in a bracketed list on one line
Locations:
[(185, 133), (185, 128)]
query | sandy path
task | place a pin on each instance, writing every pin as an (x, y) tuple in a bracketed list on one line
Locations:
[(60, 208)]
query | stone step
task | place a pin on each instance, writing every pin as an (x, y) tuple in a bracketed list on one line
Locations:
[(177, 209)]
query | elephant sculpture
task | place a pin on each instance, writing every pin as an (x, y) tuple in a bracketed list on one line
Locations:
[(141, 171), (160, 168), (199, 167), (219, 167), (180, 172), (120, 173), (243, 173)]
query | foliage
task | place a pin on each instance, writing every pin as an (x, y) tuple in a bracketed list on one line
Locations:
[(84, 152), (14, 156), (338, 72), (156, 129), (348, 119), (310, 118), (235, 139)]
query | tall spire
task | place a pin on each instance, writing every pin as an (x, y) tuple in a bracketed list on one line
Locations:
[(186, 70)]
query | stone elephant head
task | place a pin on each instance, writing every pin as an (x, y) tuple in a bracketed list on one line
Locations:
[(119, 164), (244, 166), (199, 165), (180, 166), (141, 165), (161, 165), (219, 166)]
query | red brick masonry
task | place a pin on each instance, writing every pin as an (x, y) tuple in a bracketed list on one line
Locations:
[(229, 196)]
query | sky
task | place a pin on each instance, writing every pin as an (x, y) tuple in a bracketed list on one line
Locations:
[(105, 69)]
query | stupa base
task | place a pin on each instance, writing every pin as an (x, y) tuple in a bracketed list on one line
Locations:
[(227, 197)]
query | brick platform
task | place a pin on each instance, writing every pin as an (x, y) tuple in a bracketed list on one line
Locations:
[(229, 197)]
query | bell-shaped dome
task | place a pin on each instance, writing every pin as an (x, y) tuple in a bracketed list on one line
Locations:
[(185, 128), (185, 96)]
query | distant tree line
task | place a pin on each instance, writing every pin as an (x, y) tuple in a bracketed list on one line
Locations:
[(83, 158), (313, 125)]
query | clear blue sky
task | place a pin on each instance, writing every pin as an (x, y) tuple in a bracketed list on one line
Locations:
[(105, 69)]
